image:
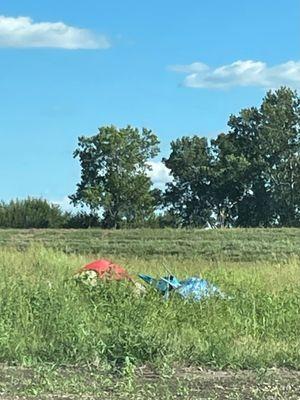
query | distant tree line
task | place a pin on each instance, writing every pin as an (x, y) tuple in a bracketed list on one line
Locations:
[(249, 176), (30, 213), (39, 213)]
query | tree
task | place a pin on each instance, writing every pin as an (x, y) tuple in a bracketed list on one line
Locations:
[(229, 182), (189, 196), (114, 180), (280, 133), (239, 164), (249, 176), (267, 141)]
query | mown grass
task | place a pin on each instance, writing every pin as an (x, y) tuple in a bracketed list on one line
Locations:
[(240, 245), (45, 317)]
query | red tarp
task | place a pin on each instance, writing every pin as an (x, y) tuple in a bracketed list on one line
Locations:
[(107, 270)]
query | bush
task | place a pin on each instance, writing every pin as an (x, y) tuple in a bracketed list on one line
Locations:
[(82, 219), (31, 213)]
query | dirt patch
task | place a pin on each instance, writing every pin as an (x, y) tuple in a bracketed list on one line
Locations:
[(264, 384), (72, 383)]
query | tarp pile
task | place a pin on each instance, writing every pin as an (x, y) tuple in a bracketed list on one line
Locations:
[(105, 270), (192, 288)]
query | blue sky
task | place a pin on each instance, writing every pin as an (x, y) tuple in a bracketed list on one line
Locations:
[(176, 67)]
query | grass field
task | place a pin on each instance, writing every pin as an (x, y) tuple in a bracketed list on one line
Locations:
[(210, 245), (48, 322)]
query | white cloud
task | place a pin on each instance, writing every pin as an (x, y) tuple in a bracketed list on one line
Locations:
[(240, 73), (23, 32), (159, 174)]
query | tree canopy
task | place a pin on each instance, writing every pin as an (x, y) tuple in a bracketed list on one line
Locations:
[(249, 176), (189, 195), (114, 180)]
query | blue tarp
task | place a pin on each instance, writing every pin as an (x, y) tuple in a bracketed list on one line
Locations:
[(193, 288), (163, 285), (197, 289)]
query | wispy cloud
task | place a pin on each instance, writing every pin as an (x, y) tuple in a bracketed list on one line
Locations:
[(240, 73), (24, 32)]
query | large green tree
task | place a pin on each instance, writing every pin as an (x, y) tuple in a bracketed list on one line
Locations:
[(114, 180), (241, 184), (280, 133), (228, 184), (267, 141), (189, 195)]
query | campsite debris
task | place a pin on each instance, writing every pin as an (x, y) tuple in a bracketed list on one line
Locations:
[(89, 278), (106, 270), (163, 285), (192, 288)]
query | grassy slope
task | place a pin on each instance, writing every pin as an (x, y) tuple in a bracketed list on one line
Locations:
[(232, 245)]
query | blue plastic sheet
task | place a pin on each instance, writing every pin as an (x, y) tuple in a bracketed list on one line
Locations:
[(192, 288), (163, 285), (197, 289)]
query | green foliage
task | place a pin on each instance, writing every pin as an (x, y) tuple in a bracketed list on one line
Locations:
[(189, 194), (81, 220), (247, 177), (31, 213), (267, 140), (114, 174)]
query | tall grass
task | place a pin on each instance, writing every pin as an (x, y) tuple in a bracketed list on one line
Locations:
[(46, 317)]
